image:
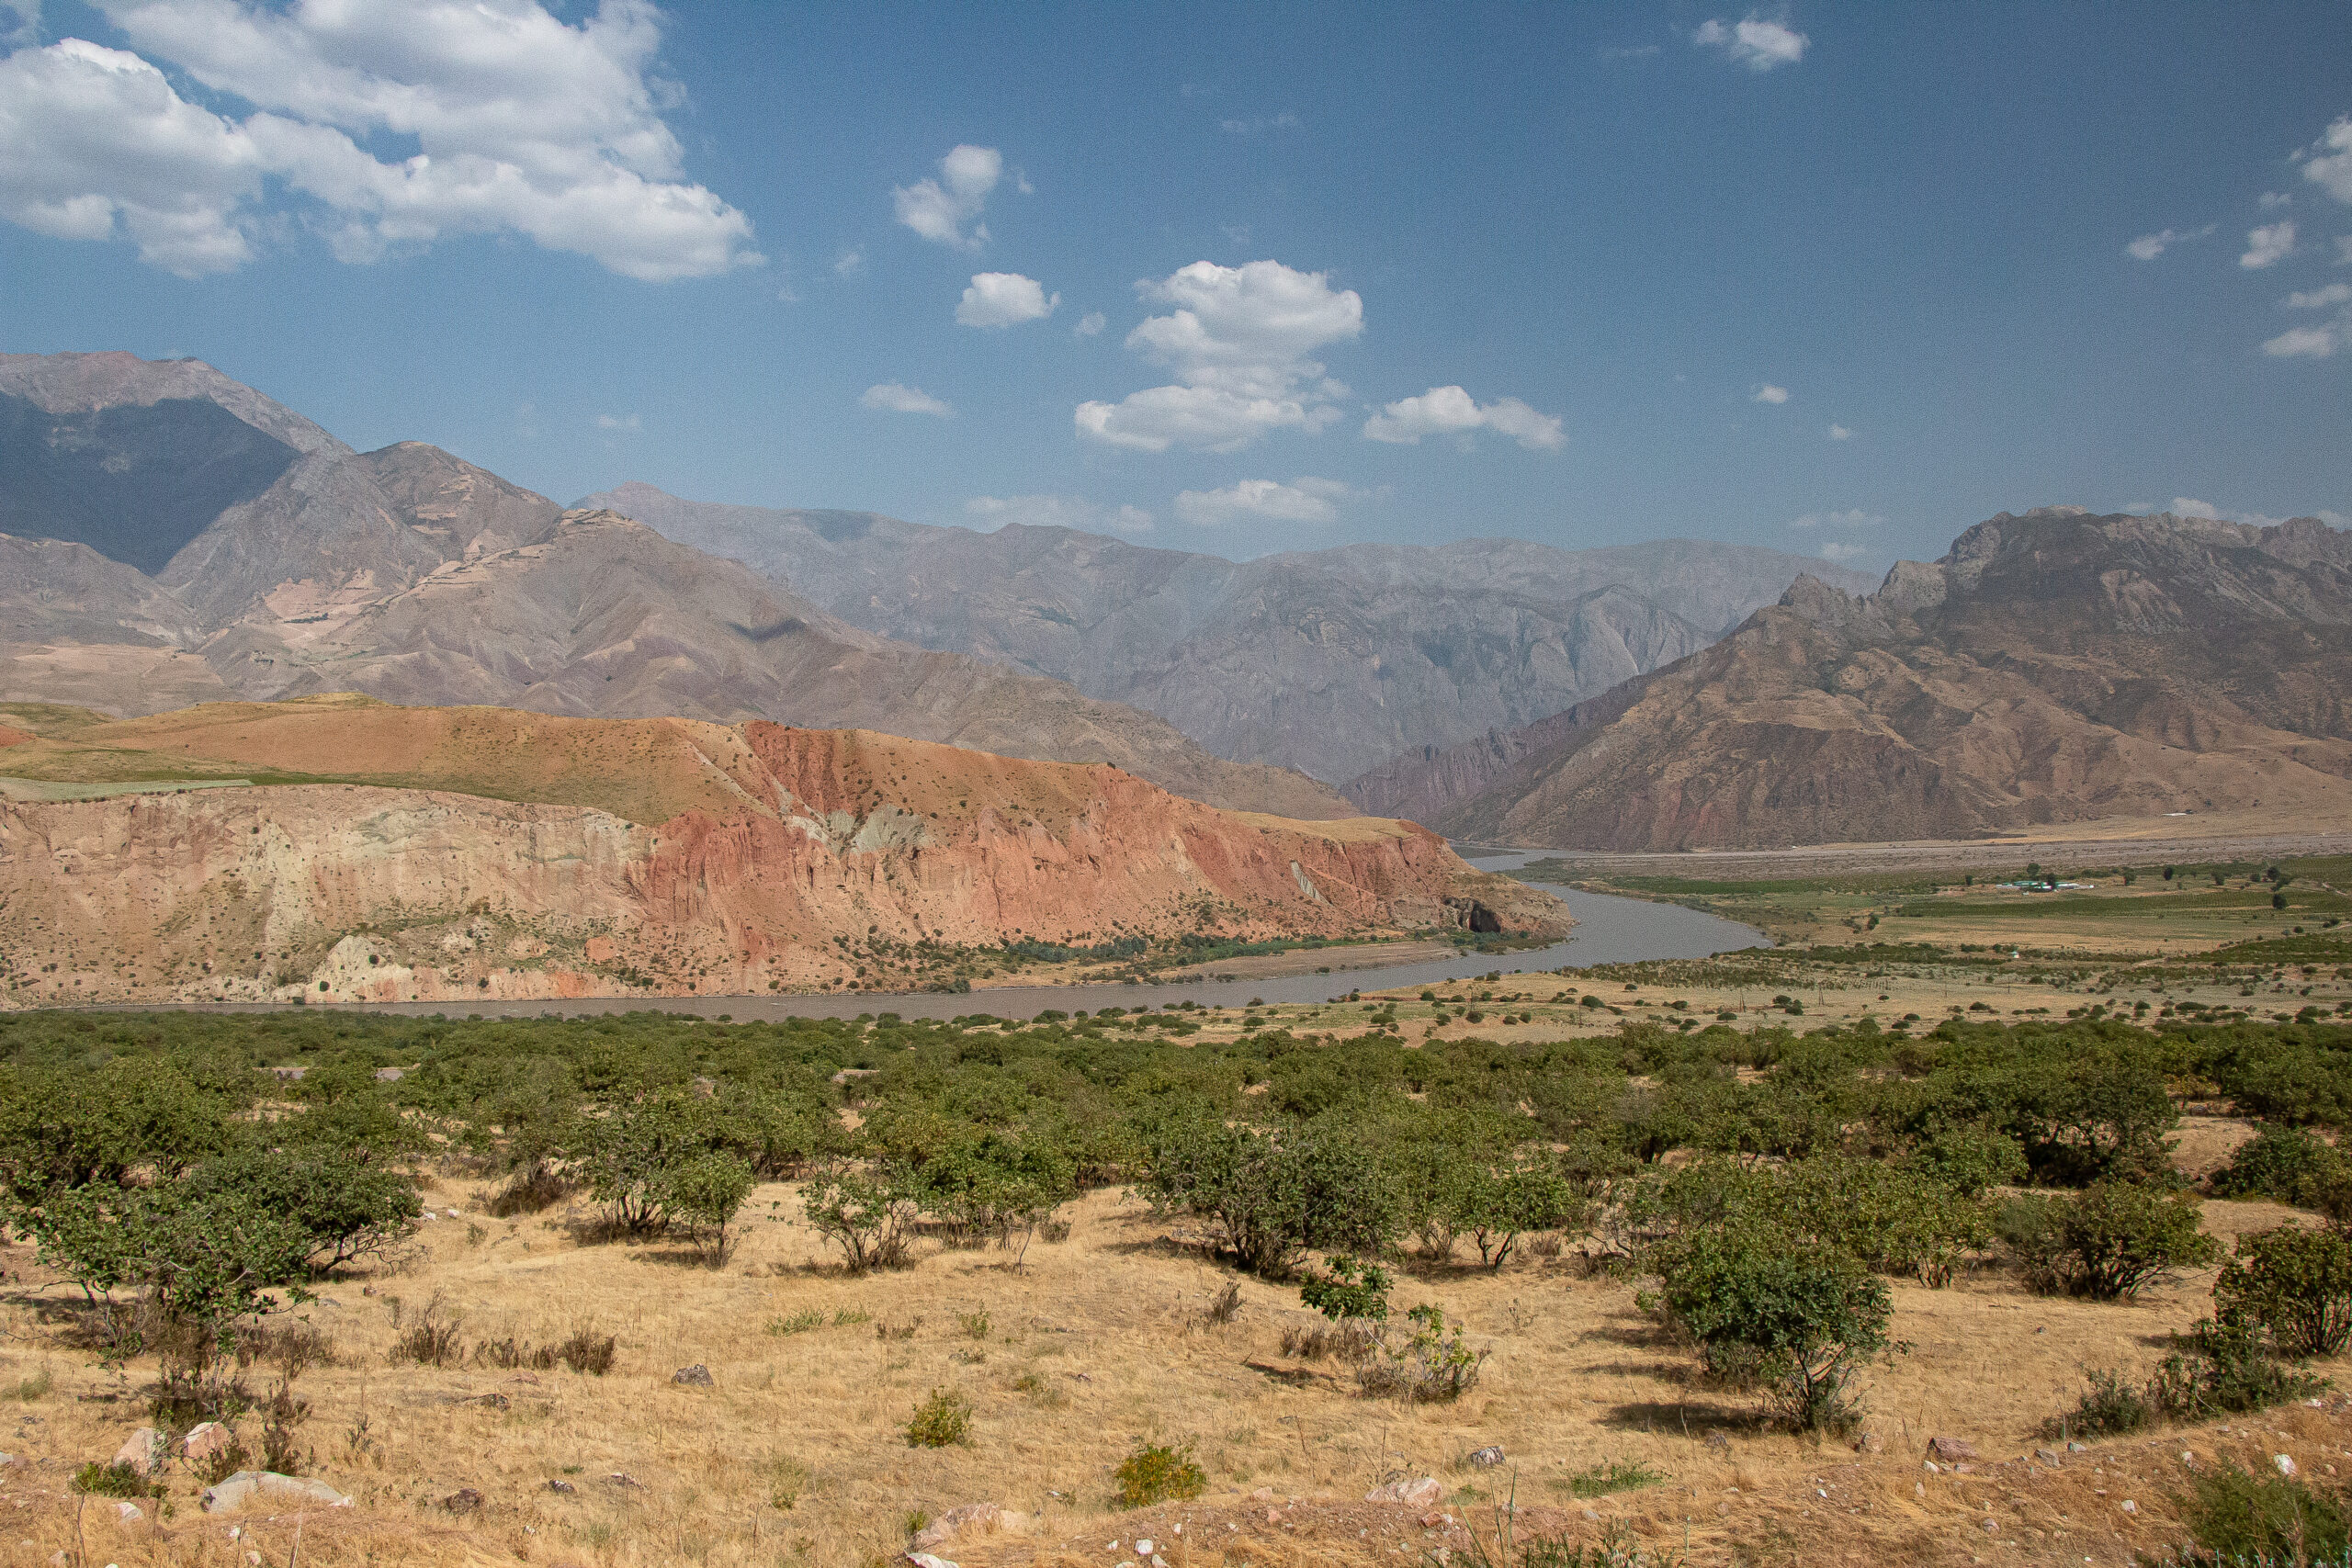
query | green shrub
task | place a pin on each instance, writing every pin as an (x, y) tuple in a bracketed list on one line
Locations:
[(1272, 1195), (2285, 1164), (1428, 1365), (869, 1216), (2241, 1519), (1616, 1476), (1806, 1315), (943, 1419), (2108, 1242), (1154, 1474), (120, 1478), (2110, 1407), (2222, 1368), (2294, 1285), (1351, 1290)]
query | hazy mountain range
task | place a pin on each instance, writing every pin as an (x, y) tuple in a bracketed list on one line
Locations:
[(168, 536), (1331, 661), (298, 567), (2052, 667)]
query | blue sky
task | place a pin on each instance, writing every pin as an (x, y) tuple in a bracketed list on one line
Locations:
[(1824, 278)]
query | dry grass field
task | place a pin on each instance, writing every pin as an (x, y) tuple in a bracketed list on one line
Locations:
[(1071, 1356)]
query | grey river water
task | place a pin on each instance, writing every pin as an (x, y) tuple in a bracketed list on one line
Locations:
[(1608, 930)]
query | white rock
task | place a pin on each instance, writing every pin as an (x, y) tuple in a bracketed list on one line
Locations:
[(925, 1560), (1422, 1493), (129, 1513), (256, 1485), (1143, 1547), (2286, 1465), (2129, 1506)]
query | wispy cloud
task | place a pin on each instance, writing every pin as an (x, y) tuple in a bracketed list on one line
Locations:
[(1756, 43), (1769, 394), (2148, 247), (1839, 432), (890, 397), (1057, 512), (1303, 500), (618, 422)]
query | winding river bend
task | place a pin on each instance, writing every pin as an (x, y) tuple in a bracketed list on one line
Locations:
[(1608, 930)]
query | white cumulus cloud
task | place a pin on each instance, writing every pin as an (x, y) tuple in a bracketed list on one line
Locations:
[(1758, 44), (2148, 247), (1839, 432), (1238, 342), (1090, 324), (1769, 394), (2320, 298), (1449, 411), (1303, 500), (2270, 244), (1005, 300), (940, 209), (1057, 512), (520, 123), (2327, 162), (1841, 551), (889, 396)]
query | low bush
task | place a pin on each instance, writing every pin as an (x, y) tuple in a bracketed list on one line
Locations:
[(2222, 1368), (943, 1420), (1616, 1476), (2110, 1407), (534, 1188), (120, 1479), (430, 1341), (1350, 1340), (1427, 1365), (2106, 1243), (588, 1352), (2294, 1285), (2241, 1519), (1154, 1474), (2284, 1164), (1804, 1317)]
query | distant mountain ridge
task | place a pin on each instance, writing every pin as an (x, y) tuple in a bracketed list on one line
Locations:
[(2053, 667), (410, 575), (1330, 662)]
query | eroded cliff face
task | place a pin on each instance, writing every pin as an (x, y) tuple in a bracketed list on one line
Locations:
[(847, 859)]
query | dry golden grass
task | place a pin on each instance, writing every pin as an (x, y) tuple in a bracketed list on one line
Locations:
[(1093, 1344)]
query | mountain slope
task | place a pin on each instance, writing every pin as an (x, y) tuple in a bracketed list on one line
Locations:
[(1329, 661), (489, 852), (410, 575), (2055, 667)]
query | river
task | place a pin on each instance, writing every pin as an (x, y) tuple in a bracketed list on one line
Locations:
[(1608, 930)]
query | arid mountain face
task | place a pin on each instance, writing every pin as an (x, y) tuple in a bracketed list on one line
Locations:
[(1330, 662), (468, 853), (290, 565), (2055, 667)]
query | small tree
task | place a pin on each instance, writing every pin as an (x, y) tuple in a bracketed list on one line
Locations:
[(1807, 1315), (2108, 1242), (707, 1192), (868, 1215), (1273, 1195), (2293, 1285), (2283, 1163)]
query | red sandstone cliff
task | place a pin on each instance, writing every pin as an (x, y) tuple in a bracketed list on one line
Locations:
[(817, 857)]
